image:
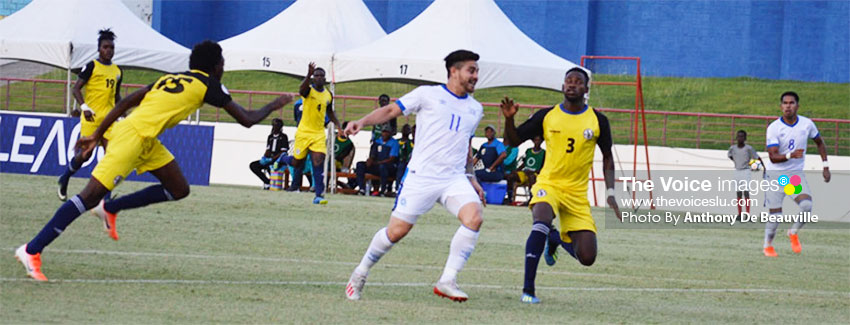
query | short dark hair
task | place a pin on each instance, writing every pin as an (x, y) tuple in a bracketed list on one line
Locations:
[(277, 121), (384, 96), (105, 35), (586, 76), (205, 56), (790, 93), (320, 69), (459, 56), (742, 131)]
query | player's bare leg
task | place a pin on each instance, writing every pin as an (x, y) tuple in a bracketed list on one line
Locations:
[(462, 246), (382, 242)]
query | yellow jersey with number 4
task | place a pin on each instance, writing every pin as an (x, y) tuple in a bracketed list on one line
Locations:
[(313, 111)]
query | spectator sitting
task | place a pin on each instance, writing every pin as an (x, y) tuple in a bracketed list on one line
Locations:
[(343, 151), (531, 165), (277, 145), (391, 125), (405, 148), (382, 162), (509, 167), (491, 153)]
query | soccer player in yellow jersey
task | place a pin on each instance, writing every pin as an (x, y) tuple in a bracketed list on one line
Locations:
[(310, 135), (571, 130), (102, 81), (134, 145)]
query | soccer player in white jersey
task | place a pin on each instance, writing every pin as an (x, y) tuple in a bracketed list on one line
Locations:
[(439, 171), (786, 146)]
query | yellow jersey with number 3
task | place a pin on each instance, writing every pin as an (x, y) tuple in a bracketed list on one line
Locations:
[(313, 111), (570, 139), (172, 98)]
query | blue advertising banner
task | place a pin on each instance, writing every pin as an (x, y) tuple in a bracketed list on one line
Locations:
[(43, 144)]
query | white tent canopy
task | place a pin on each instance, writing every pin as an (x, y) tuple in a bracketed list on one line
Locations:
[(416, 50), (63, 33), (309, 30)]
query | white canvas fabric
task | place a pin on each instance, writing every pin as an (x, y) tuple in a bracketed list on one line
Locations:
[(64, 34), (416, 50), (307, 31)]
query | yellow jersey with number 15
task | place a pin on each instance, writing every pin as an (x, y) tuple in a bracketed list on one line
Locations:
[(172, 98)]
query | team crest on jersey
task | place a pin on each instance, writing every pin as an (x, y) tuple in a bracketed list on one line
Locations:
[(403, 201), (541, 193), (297, 151), (588, 134), (117, 180)]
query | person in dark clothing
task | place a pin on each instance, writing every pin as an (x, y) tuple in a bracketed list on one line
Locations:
[(276, 145)]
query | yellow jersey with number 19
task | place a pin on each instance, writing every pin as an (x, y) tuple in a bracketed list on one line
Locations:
[(172, 98), (102, 82)]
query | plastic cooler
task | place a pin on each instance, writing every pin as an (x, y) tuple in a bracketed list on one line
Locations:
[(495, 192)]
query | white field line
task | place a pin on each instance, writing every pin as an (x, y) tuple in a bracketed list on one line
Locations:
[(421, 284), (353, 264)]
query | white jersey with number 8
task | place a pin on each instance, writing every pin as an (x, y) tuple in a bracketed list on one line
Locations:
[(788, 138)]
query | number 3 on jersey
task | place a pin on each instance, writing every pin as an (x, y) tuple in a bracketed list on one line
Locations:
[(570, 142)]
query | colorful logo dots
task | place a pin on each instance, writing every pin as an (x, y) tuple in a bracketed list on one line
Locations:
[(794, 187)]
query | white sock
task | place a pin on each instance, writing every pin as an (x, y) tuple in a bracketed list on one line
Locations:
[(379, 246), (463, 244), (769, 233), (805, 206)]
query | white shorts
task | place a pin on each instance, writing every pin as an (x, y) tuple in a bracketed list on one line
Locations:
[(418, 194), (773, 199)]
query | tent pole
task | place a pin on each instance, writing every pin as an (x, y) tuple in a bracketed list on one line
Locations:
[(331, 188), (68, 88)]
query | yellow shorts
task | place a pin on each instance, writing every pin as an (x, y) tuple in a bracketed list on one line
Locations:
[(128, 151), (311, 142), (572, 207), (523, 178)]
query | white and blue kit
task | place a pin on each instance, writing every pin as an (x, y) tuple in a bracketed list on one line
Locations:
[(445, 123), (788, 138)]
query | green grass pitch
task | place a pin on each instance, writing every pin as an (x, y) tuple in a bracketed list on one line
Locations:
[(242, 255)]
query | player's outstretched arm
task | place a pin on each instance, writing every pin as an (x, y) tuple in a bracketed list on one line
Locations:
[(248, 118), (822, 151), (87, 144), (304, 89), (377, 116), (509, 109)]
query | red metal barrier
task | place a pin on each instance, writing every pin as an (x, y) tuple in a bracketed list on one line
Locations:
[(674, 128)]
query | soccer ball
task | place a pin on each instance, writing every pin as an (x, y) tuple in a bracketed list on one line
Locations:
[(755, 165)]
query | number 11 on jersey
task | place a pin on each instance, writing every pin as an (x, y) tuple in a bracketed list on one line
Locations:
[(454, 126)]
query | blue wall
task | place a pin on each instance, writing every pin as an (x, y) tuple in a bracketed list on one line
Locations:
[(42, 145), (799, 40)]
